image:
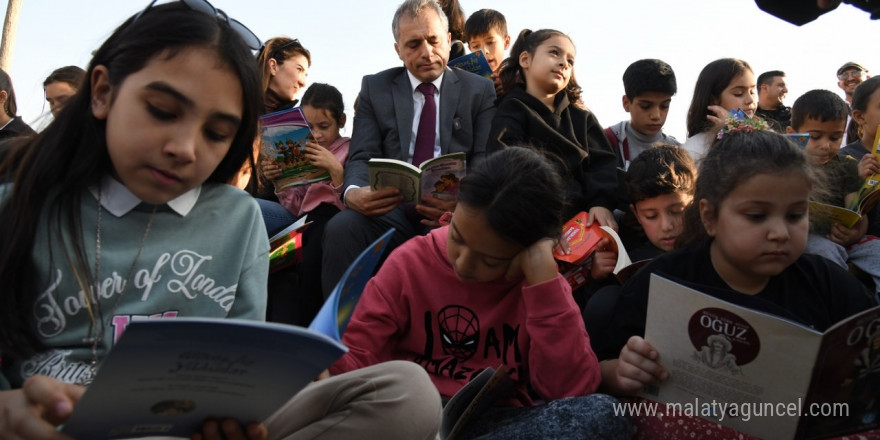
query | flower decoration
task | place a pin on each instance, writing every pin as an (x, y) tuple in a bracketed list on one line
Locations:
[(738, 122)]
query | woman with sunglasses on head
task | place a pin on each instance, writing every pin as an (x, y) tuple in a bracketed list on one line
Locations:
[(135, 170)]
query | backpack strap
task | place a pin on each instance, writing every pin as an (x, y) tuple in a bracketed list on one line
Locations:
[(620, 150)]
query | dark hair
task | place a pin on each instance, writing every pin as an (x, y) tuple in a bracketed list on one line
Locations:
[(72, 75), (767, 77), (455, 16), (325, 97), (484, 21), (734, 159), (280, 49), (821, 105), (713, 79), (864, 91), (662, 169), (648, 75), (10, 106), (519, 191), (71, 153), (528, 41)]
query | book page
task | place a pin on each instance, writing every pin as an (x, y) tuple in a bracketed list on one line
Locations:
[(166, 376), (389, 173), (727, 361), (847, 372), (474, 62)]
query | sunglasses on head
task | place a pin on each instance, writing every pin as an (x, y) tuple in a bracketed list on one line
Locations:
[(204, 6), (276, 51)]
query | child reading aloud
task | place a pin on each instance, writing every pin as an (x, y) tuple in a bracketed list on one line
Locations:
[(745, 232), (114, 215), (483, 291)]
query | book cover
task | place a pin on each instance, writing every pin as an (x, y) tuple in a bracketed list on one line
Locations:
[(286, 246), (867, 195), (745, 358), (438, 178), (830, 214), (800, 139), (284, 135), (474, 62), (582, 241), (334, 315), (473, 399), (165, 377)]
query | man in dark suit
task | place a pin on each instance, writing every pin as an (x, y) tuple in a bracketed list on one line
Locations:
[(387, 116)]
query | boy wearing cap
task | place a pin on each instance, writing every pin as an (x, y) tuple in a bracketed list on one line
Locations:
[(850, 75)]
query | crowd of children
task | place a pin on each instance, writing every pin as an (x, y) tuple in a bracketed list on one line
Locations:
[(136, 179)]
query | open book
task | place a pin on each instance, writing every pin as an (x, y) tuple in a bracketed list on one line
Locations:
[(284, 135), (165, 377), (728, 364), (473, 399), (438, 177), (867, 195), (286, 247), (583, 241), (474, 62)]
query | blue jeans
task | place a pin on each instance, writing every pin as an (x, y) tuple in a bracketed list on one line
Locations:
[(275, 216)]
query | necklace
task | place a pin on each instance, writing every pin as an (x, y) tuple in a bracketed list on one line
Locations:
[(96, 334)]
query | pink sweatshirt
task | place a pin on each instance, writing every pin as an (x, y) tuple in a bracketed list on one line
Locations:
[(416, 309), (302, 199)]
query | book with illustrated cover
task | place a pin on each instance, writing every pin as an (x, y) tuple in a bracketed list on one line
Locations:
[(165, 377), (582, 241), (284, 135), (438, 178), (741, 354), (286, 247), (867, 195), (474, 62)]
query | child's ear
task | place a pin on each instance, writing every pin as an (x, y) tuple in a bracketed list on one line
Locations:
[(707, 216), (506, 42), (342, 120), (858, 116), (525, 59), (789, 129), (102, 92), (626, 103), (632, 209)]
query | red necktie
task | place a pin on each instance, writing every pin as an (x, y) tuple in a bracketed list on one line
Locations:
[(424, 146)]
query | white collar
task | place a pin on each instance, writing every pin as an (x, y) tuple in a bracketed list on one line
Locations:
[(414, 82), (118, 200)]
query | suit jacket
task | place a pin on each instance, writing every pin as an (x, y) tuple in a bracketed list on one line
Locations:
[(384, 117)]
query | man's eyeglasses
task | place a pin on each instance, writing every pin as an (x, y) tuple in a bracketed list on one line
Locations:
[(855, 74), (246, 34)]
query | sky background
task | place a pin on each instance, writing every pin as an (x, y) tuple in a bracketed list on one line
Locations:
[(352, 38)]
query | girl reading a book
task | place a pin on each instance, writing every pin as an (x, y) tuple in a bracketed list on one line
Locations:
[(483, 291), (119, 211), (745, 232), (866, 115), (324, 110), (543, 107)]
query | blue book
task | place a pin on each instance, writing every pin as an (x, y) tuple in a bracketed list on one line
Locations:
[(473, 62), (165, 377)]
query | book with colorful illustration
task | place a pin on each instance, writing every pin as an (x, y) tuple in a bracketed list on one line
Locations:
[(286, 247), (738, 360), (437, 178), (867, 195), (284, 135), (582, 242), (474, 62), (165, 377)]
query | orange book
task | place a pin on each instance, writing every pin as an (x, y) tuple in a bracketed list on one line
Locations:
[(582, 239)]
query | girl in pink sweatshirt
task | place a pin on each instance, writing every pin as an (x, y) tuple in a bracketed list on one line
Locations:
[(484, 291)]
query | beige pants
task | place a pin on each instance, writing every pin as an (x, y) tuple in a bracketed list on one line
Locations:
[(388, 401)]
